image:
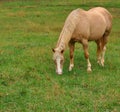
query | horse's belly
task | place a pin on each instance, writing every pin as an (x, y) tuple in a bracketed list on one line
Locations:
[(97, 31), (96, 36)]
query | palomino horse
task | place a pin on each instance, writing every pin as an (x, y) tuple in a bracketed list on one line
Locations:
[(83, 26)]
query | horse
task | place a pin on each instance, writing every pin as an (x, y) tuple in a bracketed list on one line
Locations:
[(83, 26)]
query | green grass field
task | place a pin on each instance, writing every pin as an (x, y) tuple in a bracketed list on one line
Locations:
[(28, 82)]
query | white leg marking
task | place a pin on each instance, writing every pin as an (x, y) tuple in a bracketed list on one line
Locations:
[(88, 66), (99, 60), (71, 67), (102, 57)]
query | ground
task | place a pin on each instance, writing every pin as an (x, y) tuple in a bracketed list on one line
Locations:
[(28, 82)]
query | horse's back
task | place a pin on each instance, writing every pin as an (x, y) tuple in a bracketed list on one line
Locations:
[(91, 24)]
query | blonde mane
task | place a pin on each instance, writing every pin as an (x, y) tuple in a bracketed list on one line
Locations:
[(67, 31)]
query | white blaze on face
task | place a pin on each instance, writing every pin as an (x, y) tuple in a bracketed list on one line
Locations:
[(58, 69)]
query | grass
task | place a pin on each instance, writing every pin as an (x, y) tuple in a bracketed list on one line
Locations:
[(28, 82)]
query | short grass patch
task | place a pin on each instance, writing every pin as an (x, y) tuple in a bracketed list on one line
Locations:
[(28, 82)]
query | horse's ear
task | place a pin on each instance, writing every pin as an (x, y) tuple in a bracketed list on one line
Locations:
[(62, 51), (53, 50)]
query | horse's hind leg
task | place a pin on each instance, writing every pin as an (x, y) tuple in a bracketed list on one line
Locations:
[(99, 51), (101, 48), (71, 46), (104, 42), (86, 54), (103, 55)]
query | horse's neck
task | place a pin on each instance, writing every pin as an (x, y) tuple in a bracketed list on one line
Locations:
[(63, 40), (66, 34), (61, 46)]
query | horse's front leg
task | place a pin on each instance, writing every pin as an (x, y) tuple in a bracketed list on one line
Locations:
[(71, 47), (86, 54)]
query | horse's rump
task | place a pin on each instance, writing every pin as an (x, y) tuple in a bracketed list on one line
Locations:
[(91, 24)]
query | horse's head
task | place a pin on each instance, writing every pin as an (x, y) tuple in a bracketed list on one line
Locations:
[(58, 60)]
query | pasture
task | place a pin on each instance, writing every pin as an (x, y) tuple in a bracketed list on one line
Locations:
[(28, 82)]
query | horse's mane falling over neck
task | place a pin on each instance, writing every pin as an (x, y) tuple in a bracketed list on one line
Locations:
[(67, 31)]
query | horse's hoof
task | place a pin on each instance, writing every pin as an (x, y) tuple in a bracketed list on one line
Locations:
[(99, 63), (71, 67), (102, 63), (89, 70), (59, 73)]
